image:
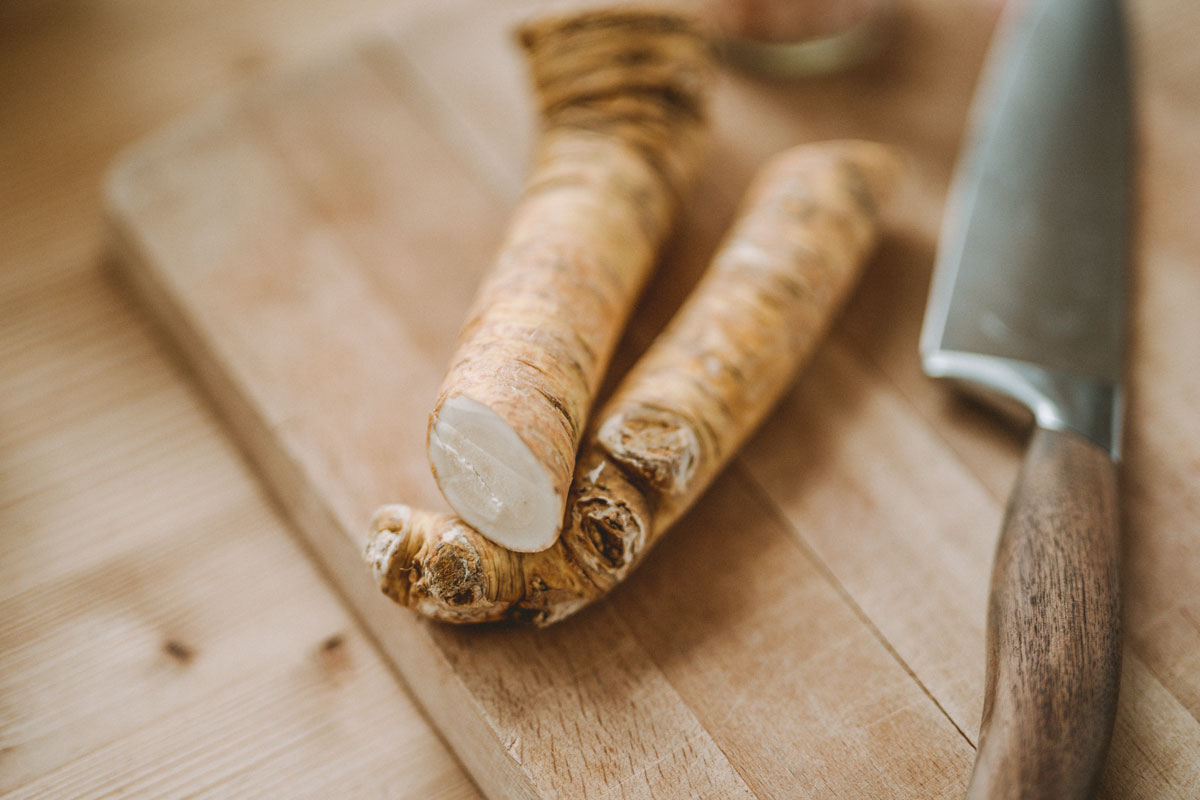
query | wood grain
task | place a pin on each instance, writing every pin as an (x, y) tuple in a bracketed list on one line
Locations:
[(1054, 627), (145, 650), (816, 626)]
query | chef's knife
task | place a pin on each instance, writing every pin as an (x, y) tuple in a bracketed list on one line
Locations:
[(1027, 306)]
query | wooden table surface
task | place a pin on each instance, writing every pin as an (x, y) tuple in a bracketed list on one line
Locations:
[(144, 652), (144, 649)]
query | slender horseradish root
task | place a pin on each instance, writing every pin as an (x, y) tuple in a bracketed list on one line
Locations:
[(623, 124), (805, 230)]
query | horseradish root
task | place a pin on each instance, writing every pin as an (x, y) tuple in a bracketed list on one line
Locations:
[(623, 121), (727, 356), (775, 284)]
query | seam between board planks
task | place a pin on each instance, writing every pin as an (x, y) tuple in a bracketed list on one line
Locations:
[(739, 471)]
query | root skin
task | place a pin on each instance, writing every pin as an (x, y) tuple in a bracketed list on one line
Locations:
[(622, 101), (806, 228)]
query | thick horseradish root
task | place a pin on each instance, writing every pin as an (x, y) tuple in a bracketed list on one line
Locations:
[(775, 284), (622, 105)]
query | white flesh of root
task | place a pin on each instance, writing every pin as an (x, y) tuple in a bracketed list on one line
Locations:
[(492, 478)]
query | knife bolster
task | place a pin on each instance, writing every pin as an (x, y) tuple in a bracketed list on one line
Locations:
[(1088, 406)]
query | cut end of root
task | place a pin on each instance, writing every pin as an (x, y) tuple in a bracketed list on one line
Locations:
[(610, 520), (491, 478), (656, 444)]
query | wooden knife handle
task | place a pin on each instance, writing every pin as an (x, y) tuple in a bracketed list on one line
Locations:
[(1054, 628)]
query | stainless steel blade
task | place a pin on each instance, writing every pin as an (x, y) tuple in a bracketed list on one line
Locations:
[(1027, 297)]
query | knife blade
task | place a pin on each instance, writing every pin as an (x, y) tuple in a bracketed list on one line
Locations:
[(1027, 307)]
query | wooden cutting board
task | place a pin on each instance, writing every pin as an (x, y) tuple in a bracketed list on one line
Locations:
[(815, 627)]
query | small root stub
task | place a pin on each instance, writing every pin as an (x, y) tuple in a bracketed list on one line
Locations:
[(655, 443), (609, 519), (440, 567), (437, 565)]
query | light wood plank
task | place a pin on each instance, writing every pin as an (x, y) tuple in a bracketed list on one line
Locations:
[(161, 632), (119, 521)]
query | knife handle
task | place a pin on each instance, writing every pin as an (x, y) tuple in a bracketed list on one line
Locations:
[(1054, 628)]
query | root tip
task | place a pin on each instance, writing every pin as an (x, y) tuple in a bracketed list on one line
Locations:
[(388, 552)]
